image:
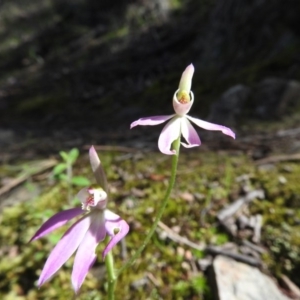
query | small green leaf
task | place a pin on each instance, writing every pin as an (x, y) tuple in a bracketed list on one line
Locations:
[(58, 169), (64, 155), (80, 181), (63, 177), (73, 155)]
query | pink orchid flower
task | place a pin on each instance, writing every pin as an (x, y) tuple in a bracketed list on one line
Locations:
[(179, 123), (86, 233)]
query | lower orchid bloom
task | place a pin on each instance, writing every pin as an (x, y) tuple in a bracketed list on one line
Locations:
[(86, 233), (179, 123)]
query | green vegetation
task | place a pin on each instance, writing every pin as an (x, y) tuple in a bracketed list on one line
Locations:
[(166, 269)]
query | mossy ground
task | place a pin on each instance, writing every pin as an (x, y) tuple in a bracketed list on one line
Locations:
[(166, 269)]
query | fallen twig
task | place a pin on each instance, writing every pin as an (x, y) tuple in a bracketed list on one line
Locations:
[(291, 286), (254, 247), (257, 229), (151, 277), (278, 158), (231, 209), (37, 169), (114, 148), (214, 250), (179, 239)]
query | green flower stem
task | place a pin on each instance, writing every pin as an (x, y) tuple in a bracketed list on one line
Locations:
[(112, 278), (69, 180), (175, 146)]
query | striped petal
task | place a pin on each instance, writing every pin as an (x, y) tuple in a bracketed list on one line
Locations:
[(85, 256), (168, 135), (65, 248), (92, 197), (211, 126), (98, 169), (151, 121), (56, 221), (189, 133)]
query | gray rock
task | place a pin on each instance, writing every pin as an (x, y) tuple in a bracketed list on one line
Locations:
[(273, 96), (6, 136), (269, 99), (230, 105), (238, 281)]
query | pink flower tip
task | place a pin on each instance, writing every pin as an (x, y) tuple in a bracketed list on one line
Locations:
[(92, 151)]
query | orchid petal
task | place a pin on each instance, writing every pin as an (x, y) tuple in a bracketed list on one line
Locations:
[(99, 196), (56, 221), (111, 216), (190, 134), (112, 222), (211, 126), (151, 121), (92, 197), (123, 230), (65, 248), (168, 135), (98, 169), (186, 78), (83, 194), (85, 256), (182, 109)]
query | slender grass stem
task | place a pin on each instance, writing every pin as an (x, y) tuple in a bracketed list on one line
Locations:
[(176, 147)]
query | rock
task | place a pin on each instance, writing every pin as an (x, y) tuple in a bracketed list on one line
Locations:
[(230, 105), (291, 96), (269, 99), (273, 96), (238, 281), (6, 136), (239, 31)]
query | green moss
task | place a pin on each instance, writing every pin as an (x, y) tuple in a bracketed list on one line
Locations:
[(205, 180)]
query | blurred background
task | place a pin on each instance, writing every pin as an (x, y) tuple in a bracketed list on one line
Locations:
[(82, 71), (78, 72)]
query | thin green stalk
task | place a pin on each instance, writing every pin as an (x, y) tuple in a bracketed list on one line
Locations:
[(112, 278), (69, 180), (176, 147)]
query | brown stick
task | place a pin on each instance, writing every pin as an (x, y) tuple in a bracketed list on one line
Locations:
[(44, 166), (237, 256), (179, 239), (278, 158)]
